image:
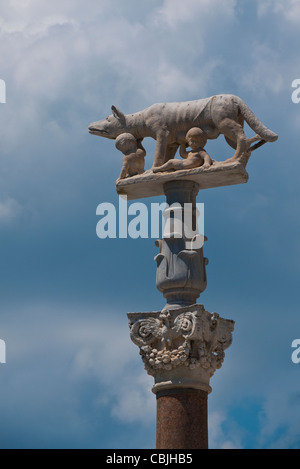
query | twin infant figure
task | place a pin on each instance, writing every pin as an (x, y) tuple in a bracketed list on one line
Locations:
[(134, 154)]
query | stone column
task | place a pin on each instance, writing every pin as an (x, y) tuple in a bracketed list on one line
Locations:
[(182, 419), (182, 345), (181, 274), (181, 348)]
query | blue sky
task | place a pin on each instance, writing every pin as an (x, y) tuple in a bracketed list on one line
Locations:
[(73, 379)]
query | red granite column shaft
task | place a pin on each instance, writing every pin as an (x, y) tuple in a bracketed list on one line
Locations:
[(181, 419)]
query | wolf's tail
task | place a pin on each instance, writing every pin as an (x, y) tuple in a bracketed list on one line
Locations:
[(255, 124)]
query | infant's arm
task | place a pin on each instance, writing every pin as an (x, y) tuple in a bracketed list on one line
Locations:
[(125, 168), (140, 152), (182, 151), (140, 149), (207, 161)]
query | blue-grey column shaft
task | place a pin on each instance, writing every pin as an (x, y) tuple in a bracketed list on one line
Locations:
[(181, 273)]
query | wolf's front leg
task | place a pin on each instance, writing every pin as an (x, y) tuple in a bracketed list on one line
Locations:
[(161, 148)]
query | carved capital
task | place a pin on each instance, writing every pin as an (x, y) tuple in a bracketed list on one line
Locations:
[(183, 347)]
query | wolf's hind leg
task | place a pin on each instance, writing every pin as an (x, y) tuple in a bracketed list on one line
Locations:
[(235, 133)]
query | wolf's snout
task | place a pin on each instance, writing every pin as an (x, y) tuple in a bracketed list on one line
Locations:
[(95, 129), (92, 126)]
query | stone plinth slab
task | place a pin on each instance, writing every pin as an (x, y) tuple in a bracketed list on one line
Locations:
[(151, 184)]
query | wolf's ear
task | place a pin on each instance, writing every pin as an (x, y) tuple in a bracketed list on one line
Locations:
[(117, 113)]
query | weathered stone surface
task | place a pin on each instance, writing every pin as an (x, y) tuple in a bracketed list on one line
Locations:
[(196, 139), (181, 348), (134, 155), (151, 184), (181, 265), (168, 124)]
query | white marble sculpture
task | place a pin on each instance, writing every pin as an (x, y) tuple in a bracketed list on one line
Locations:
[(196, 139), (168, 124), (183, 347), (134, 155)]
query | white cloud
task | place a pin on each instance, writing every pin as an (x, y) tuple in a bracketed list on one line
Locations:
[(33, 30), (106, 352), (9, 209), (279, 424), (171, 81), (287, 9), (82, 350), (266, 74), (136, 402), (60, 50), (218, 438), (174, 12)]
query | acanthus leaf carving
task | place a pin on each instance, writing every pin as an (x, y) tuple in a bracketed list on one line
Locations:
[(189, 337)]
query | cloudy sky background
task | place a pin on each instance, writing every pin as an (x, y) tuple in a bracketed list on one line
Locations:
[(73, 379)]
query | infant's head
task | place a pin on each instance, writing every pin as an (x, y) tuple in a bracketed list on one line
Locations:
[(126, 142), (196, 137)]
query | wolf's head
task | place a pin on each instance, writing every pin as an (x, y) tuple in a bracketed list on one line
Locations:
[(111, 127)]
